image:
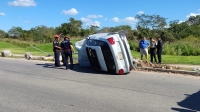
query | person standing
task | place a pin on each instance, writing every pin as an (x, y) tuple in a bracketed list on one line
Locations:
[(143, 45), (153, 45), (68, 49), (56, 50), (159, 50), (62, 51)]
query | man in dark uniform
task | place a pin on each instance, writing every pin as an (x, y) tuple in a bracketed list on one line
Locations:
[(62, 52), (159, 50), (56, 50), (68, 49)]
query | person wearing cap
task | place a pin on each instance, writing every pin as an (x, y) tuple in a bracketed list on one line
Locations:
[(56, 50), (159, 50), (68, 49)]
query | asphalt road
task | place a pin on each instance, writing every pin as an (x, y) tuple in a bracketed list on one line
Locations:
[(36, 86)]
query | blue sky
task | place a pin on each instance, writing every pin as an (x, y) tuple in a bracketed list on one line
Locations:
[(103, 13)]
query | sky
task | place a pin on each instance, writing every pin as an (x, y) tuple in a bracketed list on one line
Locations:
[(29, 14)]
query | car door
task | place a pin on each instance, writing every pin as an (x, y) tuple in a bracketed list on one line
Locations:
[(108, 57)]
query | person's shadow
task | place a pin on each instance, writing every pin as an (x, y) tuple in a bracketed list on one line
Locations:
[(190, 104), (77, 68)]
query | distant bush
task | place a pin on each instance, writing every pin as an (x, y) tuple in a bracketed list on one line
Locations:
[(133, 45), (187, 47), (16, 42)]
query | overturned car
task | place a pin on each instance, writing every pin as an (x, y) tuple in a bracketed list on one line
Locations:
[(106, 51)]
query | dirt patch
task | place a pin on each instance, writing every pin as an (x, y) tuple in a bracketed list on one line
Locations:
[(142, 63), (154, 67)]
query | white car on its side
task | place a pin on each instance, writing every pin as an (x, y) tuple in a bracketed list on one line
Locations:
[(106, 51)]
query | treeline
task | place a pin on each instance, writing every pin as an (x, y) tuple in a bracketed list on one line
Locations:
[(176, 35)]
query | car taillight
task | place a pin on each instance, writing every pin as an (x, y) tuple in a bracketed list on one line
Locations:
[(121, 71), (111, 40)]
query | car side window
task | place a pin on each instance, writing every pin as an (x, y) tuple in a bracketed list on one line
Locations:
[(89, 41), (92, 42)]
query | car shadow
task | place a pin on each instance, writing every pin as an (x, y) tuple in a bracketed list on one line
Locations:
[(77, 68), (190, 104)]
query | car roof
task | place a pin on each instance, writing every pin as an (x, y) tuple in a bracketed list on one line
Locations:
[(106, 35), (100, 35)]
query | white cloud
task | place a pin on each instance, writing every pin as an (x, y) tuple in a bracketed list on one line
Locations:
[(89, 22), (85, 20), (94, 23), (94, 16), (194, 14), (166, 26), (140, 12), (130, 20), (2, 14), (115, 19), (22, 3), (181, 22), (72, 11), (105, 19)]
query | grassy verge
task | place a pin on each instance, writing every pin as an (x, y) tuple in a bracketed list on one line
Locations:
[(170, 59), (37, 50), (47, 48)]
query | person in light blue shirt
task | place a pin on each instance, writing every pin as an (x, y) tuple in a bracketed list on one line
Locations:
[(144, 44)]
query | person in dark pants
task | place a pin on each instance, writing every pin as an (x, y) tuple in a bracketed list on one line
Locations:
[(62, 52), (56, 50), (68, 49), (153, 45), (159, 50)]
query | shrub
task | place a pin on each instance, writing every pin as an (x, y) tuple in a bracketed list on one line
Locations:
[(16, 42), (187, 47), (133, 46)]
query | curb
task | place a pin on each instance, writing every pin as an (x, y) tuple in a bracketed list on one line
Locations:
[(194, 73)]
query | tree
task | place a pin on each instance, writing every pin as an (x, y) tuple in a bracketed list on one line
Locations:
[(84, 32), (123, 27), (2, 34), (15, 32), (93, 29), (179, 30), (73, 28), (151, 21), (42, 34), (194, 20), (150, 25), (63, 29)]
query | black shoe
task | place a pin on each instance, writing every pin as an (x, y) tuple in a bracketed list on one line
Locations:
[(57, 66)]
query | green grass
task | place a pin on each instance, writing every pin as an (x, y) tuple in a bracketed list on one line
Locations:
[(167, 59), (193, 60), (45, 49), (14, 49)]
